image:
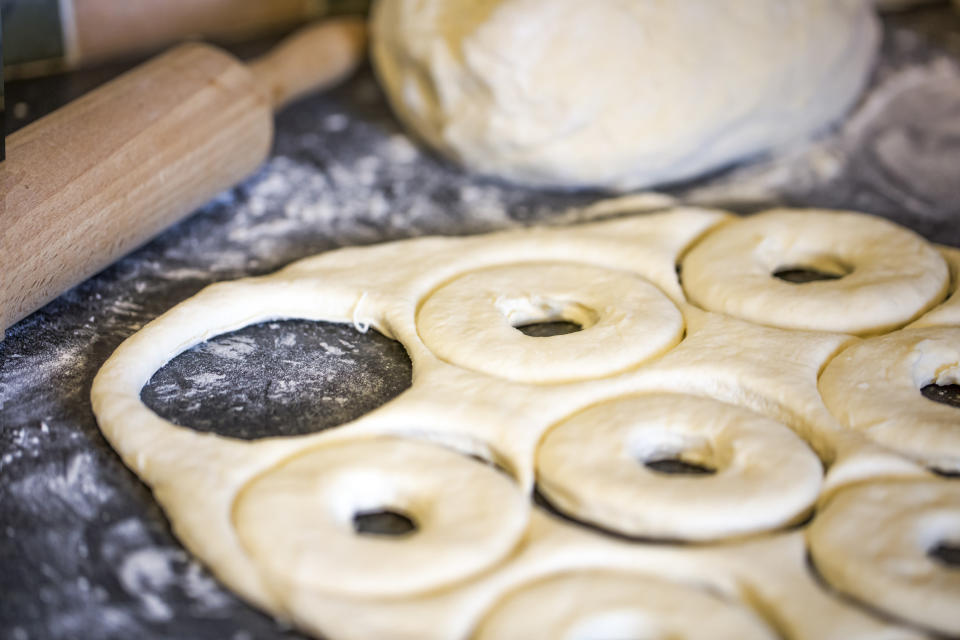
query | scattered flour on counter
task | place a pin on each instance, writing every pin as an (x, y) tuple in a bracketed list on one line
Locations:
[(232, 348), (897, 154), (146, 572), (74, 486)]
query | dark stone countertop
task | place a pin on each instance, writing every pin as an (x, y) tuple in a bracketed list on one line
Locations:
[(84, 550)]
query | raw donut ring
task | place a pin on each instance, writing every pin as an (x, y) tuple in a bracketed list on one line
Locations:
[(471, 321), (885, 275), (874, 386), (874, 542), (614, 604), (593, 467), (297, 519)]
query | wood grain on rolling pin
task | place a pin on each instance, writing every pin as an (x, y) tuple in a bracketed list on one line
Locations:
[(105, 28), (88, 183)]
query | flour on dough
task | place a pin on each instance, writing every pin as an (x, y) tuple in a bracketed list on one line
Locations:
[(619, 95)]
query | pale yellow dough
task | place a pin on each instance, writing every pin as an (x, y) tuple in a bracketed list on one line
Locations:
[(874, 387), (229, 500), (625, 321), (947, 313), (890, 275), (625, 94), (297, 518), (873, 542), (617, 605), (591, 466)]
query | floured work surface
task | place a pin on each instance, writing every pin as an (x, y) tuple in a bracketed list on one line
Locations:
[(86, 546)]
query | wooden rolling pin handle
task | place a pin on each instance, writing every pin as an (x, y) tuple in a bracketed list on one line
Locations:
[(293, 68), (97, 178)]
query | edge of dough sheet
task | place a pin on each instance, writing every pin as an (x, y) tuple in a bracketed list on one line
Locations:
[(196, 477)]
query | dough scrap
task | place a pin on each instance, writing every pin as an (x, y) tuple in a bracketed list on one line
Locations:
[(214, 488), (874, 387), (888, 275), (873, 542), (592, 467), (625, 95)]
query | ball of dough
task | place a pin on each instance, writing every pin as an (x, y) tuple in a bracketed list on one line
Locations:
[(612, 604), (594, 466), (879, 543), (298, 520), (881, 276), (618, 94)]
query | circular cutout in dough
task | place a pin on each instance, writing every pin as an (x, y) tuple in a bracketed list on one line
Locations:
[(302, 521), (880, 543), (875, 387), (594, 467), (289, 377), (625, 320), (889, 275), (587, 604)]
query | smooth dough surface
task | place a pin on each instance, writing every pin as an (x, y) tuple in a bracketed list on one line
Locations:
[(625, 94), (592, 467), (624, 319), (250, 510), (298, 518), (886, 274), (613, 606), (947, 313), (873, 542), (874, 387)]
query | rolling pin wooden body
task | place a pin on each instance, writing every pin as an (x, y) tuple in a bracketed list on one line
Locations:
[(51, 36), (92, 181)]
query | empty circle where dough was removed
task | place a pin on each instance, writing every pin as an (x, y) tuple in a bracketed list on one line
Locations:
[(298, 519), (279, 378), (614, 605), (625, 320), (592, 467), (890, 275), (875, 542), (875, 387)]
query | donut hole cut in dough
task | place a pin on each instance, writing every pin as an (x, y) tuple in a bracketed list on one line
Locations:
[(305, 521), (473, 321), (948, 394), (947, 552), (383, 522), (813, 269), (670, 453), (885, 544), (754, 474), (592, 603), (279, 378), (546, 329), (888, 274), (891, 402)]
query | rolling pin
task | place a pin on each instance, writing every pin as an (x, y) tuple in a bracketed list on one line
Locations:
[(52, 36), (99, 177)]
